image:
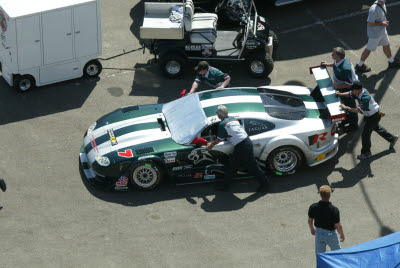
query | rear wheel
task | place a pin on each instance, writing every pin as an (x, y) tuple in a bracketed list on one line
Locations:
[(24, 83), (172, 65), (92, 69), (260, 65), (146, 175), (284, 160)]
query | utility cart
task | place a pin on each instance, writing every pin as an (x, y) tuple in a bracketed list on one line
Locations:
[(48, 41), (197, 38)]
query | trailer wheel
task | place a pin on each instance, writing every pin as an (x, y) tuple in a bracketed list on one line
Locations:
[(24, 83), (260, 65), (92, 69), (172, 65)]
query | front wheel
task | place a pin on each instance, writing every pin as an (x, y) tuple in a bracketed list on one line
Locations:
[(284, 160), (172, 65), (92, 69), (24, 83), (146, 175), (260, 65)]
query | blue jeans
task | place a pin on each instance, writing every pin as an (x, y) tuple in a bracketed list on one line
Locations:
[(325, 237)]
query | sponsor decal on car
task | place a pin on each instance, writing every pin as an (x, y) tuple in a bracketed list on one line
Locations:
[(200, 155), (170, 154), (126, 153), (209, 177), (121, 183), (320, 157), (315, 138), (169, 160), (103, 161), (177, 168), (145, 157), (113, 139), (197, 175), (94, 145)]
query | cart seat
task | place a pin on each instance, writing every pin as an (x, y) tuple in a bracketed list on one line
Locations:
[(200, 16), (202, 30)]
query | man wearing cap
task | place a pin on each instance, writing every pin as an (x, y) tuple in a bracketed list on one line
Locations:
[(212, 76), (243, 156), (367, 106), (343, 77), (326, 219), (377, 36)]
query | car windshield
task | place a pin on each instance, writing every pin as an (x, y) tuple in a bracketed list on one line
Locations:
[(283, 105), (185, 118)]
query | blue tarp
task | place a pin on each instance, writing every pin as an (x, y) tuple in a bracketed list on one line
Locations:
[(383, 252)]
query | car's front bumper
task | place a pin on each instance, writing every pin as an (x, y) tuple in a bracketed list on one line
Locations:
[(91, 176), (316, 157)]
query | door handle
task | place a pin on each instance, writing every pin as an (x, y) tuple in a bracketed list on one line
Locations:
[(78, 32), (36, 41), (75, 69), (69, 33)]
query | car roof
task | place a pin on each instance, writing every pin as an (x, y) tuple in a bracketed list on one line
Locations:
[(237, 100)]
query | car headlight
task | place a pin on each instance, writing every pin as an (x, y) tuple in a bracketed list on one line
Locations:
[(103, 161), (91, 128)]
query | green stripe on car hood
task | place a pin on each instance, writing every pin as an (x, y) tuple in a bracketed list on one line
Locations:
[(227, 93)]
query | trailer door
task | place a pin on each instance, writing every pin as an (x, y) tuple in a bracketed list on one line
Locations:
[(86, 30), (28, 42), (57, 36)]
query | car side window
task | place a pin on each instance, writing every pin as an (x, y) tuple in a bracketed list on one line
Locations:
[(257, 126)]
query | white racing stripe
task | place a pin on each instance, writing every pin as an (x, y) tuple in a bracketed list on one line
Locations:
[(320, 73), (121, 124), (315, 105), (128, 140), (230, 99)]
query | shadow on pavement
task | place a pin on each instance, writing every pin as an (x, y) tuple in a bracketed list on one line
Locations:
[(44, 100)]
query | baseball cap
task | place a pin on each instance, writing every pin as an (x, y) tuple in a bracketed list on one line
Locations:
[(203, 65)]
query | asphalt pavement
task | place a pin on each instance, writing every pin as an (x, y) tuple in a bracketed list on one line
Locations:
[(52, 218)]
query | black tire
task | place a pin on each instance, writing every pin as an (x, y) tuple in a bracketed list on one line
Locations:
[(172, 65), (260, 65), (275, 43), (24, 83), (284, 160), (92, 69), (146, 175)]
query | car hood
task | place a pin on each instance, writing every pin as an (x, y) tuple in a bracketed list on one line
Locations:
[(125, 132)]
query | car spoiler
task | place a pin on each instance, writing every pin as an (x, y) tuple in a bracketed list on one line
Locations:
[(332, 101)]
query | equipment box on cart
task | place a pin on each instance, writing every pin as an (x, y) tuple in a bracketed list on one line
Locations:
[(48, 41)]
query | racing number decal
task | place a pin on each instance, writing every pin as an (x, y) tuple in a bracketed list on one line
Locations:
[(315, 138)]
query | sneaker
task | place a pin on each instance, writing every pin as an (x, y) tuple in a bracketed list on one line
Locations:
[(363, 68), (394, 64), (392, 143), (364, 156)]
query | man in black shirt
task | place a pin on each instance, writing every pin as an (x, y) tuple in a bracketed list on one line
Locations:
[(326, 219)]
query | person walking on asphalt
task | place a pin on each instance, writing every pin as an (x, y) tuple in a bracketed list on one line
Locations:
[(377, 36), (344, 76), (210, 75), (243, 156), (367, 106), (326, 219)]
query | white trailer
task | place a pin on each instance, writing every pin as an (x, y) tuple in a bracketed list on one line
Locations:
[(49, 41)]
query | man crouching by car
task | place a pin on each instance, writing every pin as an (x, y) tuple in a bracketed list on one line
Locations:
[(211, 76), (243, 156)]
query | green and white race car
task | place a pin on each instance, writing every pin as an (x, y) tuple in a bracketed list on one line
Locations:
[(140, 145)]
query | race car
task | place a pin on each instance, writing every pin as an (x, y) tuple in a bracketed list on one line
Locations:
[(140, 145)]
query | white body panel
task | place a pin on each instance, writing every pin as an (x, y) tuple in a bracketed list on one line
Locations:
[(51, 40)]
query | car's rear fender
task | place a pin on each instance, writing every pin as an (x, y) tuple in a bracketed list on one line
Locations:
[(279, 141)]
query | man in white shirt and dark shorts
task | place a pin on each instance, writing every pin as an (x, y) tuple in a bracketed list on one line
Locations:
[(377, 36)]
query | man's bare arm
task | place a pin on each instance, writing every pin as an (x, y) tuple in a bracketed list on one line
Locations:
[(339, 228)]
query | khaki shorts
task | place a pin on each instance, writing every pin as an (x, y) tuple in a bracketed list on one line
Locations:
[(373, 43)]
